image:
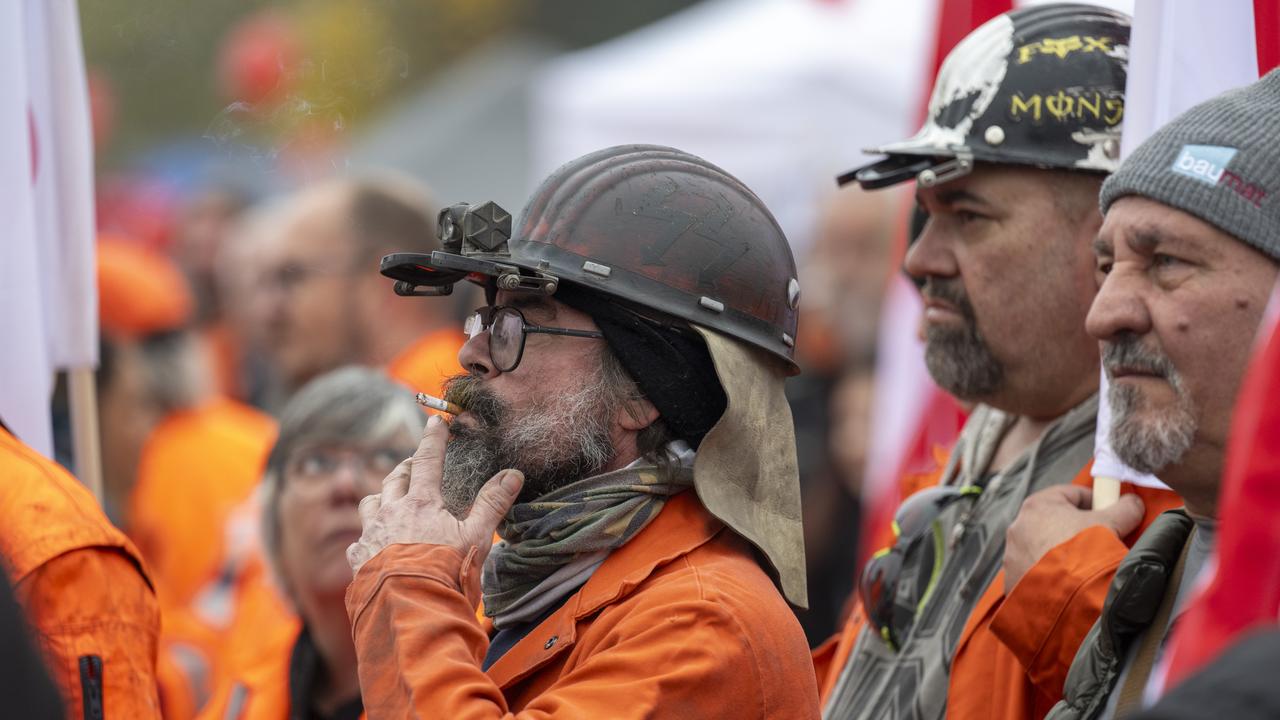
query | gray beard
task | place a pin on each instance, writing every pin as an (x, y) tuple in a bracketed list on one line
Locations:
[(961, 363), (960, 360), (1147, 445), (564, 441)]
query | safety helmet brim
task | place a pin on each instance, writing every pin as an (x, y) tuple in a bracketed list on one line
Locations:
[(890, 171)]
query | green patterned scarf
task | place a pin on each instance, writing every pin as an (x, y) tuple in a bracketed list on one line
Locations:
[(552, 544)]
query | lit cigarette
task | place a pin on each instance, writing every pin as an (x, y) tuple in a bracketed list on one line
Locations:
[(440, 404)]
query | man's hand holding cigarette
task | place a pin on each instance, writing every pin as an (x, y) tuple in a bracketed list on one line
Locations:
[(410, 508)]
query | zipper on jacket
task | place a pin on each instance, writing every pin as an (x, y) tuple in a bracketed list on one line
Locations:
[(91, 686)]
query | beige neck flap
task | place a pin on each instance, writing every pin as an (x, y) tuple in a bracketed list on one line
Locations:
[(746, 472)]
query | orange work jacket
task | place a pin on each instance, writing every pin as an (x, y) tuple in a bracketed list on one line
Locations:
[(1015, 651), (197, 466), (92, 609), (264, 620), (259, 689), (987, 679), (427, 363), (681, 622)]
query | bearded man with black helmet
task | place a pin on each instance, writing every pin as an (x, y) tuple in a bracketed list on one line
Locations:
[(1023, 126), (624, 382)]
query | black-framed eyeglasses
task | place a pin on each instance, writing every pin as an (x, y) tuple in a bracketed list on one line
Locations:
[(507, 330), (916, 522)]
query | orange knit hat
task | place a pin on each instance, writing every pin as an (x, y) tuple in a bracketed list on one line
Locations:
[(140, 292)]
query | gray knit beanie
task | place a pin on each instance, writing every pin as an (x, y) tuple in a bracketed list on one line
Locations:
[(1219, 161)]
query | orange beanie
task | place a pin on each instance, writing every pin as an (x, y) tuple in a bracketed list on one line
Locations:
[(140, 292)]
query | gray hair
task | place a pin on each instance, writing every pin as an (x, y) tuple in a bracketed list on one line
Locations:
[(353, 404)]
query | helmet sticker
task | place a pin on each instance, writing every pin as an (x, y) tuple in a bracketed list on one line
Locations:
[(968, 82), (1074, 105), (1064, 46)]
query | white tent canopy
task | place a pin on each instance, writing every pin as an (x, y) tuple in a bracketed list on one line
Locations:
[(784, 94)]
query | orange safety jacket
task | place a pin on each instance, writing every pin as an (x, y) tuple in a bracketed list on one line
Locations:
[(264, 621), (196, 468), (260, 688), (681, 622), (1046, 617), (82, 583), (1015, 651)]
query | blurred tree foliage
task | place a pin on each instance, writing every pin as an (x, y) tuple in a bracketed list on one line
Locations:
[(164, 63)]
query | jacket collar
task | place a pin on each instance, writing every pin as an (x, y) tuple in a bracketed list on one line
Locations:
[(682, 526)]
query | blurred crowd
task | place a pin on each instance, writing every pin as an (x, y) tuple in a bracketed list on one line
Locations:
[(258, 404)]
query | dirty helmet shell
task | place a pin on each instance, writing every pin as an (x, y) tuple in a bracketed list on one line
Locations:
[(1041, 86), (650, 226)]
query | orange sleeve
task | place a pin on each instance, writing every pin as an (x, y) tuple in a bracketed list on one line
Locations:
[(1046, 616), (94, 603)]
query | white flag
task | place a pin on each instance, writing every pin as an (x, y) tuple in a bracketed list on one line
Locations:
[(48, 292)]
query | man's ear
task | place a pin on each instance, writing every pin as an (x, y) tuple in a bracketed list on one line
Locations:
[(636, 415)]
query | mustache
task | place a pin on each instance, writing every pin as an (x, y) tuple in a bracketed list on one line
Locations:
[(948, 290), (1128, 352), (469, 393)]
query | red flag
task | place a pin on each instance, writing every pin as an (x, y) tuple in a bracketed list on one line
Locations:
[(958, 18), (1266, 27)]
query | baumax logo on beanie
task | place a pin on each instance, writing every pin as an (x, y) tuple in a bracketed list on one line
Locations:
[(1205, 163), (1208, 164)]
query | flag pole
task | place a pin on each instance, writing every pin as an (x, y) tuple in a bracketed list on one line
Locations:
[(1106, 492), (85, 440)]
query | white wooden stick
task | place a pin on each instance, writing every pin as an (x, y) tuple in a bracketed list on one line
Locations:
[(1106, 492), (86, 443)]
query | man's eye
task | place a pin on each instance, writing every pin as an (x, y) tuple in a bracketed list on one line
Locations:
[(967, 216), (1104, 266), (1161, 261)]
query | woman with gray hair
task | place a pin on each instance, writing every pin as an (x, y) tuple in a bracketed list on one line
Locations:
[(340, 435)]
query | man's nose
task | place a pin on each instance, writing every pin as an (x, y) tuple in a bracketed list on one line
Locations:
[(930, 255), (474, 356), (1119, 307)]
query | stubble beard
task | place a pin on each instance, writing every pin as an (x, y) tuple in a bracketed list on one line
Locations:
[(959, 358), (562, 441), (1143, 439)]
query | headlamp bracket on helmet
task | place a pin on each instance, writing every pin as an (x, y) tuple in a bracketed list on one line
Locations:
[(956, 167), (926, 170), (475, 240)]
